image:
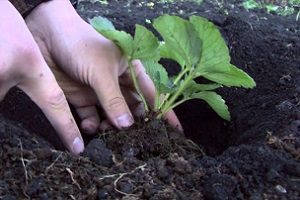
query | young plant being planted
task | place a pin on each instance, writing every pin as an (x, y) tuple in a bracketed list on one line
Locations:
[(195, 44)]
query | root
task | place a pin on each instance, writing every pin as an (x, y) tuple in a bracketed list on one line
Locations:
[(72, 178), (50, 166), (25, 169), (23, 163), (120, 176)]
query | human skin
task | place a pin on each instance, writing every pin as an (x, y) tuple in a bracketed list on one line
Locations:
[(88, 68), (22, 65)]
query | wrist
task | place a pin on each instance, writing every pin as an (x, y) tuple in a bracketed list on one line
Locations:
[(58, 11), (52, 18), (25, 7)]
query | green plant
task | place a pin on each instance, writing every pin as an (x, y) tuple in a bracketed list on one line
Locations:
[(251, 4), (195, 44), (283, 9)]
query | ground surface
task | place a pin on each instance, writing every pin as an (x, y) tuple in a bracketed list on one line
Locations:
[(255, 156)]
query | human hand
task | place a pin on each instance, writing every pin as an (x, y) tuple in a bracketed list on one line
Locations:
[(89, 68), (22, 65)]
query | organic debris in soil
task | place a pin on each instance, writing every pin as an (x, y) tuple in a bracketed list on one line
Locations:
[(149, 138), (41, 172)]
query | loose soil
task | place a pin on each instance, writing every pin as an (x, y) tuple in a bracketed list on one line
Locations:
[(255, 156)]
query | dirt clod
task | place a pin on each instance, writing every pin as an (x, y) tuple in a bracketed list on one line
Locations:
[(97, 151)]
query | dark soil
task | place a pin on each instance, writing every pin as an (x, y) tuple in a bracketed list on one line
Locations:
[(255, 156)]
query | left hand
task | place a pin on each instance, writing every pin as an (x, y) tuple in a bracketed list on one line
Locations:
[(89, 68)]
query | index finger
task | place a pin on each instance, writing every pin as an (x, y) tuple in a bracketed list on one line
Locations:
[(43, 89)]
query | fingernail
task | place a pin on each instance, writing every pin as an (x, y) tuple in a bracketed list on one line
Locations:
[(78, 146), (124, 120)]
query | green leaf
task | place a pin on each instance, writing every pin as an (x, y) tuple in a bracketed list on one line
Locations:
[(233, 76), (194, 87), (120, 38), (180, 38), (272, 8), (215, 59), (145, 44), (165, 52), (215, 101), (101, 23), (158, 75), (251, 4), (214, 49)]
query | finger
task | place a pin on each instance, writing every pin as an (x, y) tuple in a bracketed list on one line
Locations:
[(84, 101), (145, 83), (43, 89), (4, 87), (112, 101), (3, 92), (90, 120), (148, 89), (5, 84), (81, 97), (77, 94), (105, 125), (173, 120), (134, 102)]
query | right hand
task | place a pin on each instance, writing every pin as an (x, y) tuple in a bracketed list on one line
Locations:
[(89, 68), (22, 65)]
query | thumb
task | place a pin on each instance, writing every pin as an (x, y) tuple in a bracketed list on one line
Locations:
[(112, 101)]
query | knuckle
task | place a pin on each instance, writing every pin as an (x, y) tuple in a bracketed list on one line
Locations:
[(3, 78), (116, 103), (2, 93), (5, 62), (56, 99)]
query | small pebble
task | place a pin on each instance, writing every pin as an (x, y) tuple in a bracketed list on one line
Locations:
[(281, 189)]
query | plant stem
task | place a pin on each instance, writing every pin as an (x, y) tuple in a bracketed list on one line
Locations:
[(169, 104), (178, 78), (156, 101), (178, 103), (136, 85), (180, 75)]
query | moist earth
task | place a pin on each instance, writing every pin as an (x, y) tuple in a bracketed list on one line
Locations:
[(254, 156)]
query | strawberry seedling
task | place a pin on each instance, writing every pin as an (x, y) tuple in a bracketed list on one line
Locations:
[(195, 44)]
